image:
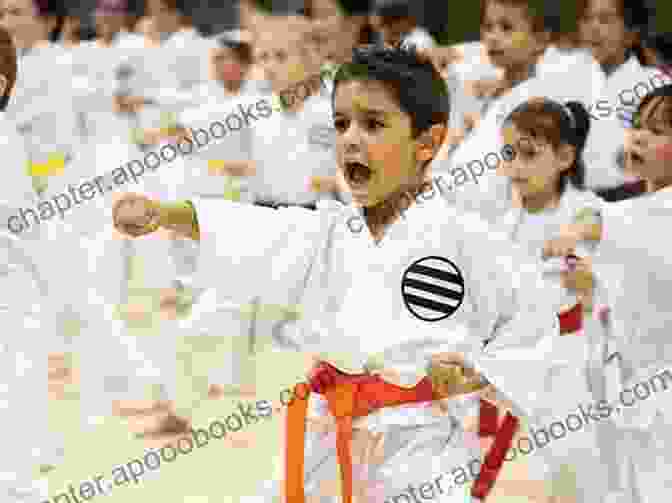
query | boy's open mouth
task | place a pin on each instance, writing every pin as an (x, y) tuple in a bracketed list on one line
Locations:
[(357, 174)]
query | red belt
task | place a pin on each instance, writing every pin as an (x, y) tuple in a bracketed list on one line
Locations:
[(488, 419), (361, 396), (571, 321)]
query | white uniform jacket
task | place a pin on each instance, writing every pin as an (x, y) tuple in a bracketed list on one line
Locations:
[(364, 300)]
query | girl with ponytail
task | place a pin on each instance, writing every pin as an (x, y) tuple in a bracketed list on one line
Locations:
[(554, 219)]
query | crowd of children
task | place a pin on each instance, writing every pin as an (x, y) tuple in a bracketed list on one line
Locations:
[(450, 323)]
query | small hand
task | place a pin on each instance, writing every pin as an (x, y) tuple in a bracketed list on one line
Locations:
[(452, 375), (580, 278), (324, 184), (563, 245), (135, 215)]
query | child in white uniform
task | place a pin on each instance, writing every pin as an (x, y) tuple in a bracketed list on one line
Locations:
[(633, 261), (609, 28), (392, 296), (222, 167), (46, 124), (293, 148), (546, 183)]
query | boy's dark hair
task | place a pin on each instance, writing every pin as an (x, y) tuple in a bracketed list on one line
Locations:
[(558, 125), (417, 85), (8, 66)]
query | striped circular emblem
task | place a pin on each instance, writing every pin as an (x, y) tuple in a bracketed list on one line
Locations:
[(432, 288)]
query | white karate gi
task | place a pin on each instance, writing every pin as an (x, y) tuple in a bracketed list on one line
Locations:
[(633, 262), (581, 353), (472, 66), (617, 96), (349, 289), (236, 145), (42, 107), (290, 148)]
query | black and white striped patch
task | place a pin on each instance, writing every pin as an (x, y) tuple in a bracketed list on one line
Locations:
[(432, 288)]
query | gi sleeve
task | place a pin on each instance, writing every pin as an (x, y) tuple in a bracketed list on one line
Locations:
[(516, 316), (635, 271), (253, 255)]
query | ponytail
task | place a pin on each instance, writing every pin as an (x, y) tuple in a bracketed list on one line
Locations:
[(580, 126)]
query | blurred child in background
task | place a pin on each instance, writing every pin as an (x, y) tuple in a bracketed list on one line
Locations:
[(395, 22), (612, 30), (42, 107), (298, 133)]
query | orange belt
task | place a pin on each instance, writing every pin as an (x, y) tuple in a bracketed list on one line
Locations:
[(357, 398)]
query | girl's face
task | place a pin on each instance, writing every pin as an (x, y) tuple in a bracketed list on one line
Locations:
[(20, 18), (225, 67), (376, 153), (507, 35), (648, 145), (602, 29), (536, 168)]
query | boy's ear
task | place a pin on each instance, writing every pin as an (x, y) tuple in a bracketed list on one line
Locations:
[(430, 142), (3, 84)]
